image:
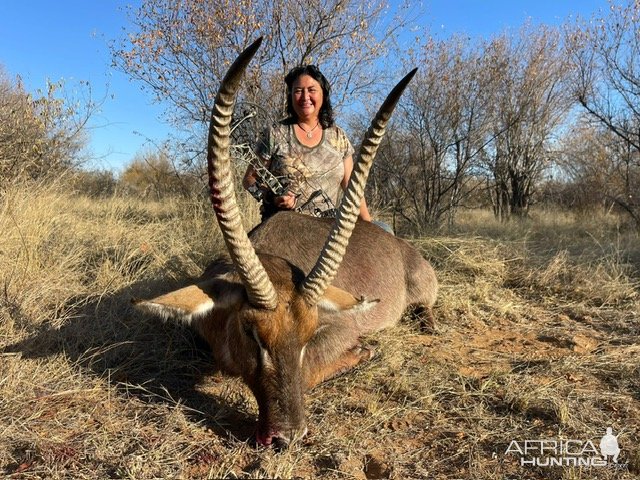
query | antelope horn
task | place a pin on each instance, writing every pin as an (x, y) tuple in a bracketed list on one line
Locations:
[(326, 267), (252, 273)]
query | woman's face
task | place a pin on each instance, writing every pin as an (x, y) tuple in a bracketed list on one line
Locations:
[(306, 98)]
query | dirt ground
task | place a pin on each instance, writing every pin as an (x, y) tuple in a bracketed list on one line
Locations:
[(537, 345)]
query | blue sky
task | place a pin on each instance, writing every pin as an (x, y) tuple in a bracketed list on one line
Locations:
[(68, 39)]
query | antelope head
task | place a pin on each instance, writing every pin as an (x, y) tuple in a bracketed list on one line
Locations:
[(260, 313)]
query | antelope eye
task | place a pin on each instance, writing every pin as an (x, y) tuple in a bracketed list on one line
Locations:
[(252, 333), (248, 331)]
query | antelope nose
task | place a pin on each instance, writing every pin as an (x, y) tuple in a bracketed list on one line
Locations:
[(283, 440), (280, 444)]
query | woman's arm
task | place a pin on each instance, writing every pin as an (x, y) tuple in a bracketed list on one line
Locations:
[(250, 177), (348, 168)]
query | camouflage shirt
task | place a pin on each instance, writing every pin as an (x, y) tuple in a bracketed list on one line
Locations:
[(306, 170)]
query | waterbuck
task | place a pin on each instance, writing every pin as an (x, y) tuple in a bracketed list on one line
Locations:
[(287, 307)]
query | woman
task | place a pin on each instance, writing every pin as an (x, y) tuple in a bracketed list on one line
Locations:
[(310, 155)]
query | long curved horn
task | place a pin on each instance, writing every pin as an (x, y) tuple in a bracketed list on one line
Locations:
[(253, 275), (326, 267)]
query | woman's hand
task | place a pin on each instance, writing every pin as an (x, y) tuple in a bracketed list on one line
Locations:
[(286, 201)]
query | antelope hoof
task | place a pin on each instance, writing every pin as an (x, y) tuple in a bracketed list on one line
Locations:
[(363, 353)]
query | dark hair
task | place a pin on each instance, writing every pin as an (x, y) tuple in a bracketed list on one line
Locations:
[(325, 116)]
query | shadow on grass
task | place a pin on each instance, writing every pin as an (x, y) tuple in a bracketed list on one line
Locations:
[(143, 357)]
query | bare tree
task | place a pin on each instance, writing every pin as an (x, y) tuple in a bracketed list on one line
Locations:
[(151, 173), (182, 48), (599, 168), (606, 55), (40, 135), (530, 102), (424, 168), (21, 133)]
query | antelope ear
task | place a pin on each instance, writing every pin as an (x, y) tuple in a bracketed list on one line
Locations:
[(194, 301), (337, 300)]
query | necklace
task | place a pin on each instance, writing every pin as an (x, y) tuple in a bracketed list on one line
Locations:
[(309, 132)]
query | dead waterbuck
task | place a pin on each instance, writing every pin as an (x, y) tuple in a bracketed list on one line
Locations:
[(288, 306)]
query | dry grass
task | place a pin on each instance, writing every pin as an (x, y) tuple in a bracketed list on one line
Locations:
[(538, 339)]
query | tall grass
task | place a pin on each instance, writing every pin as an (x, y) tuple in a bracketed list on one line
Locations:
[(538, 334), (58, 250)]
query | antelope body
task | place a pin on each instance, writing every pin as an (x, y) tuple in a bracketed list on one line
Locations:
[(286, 309), (376, 265)]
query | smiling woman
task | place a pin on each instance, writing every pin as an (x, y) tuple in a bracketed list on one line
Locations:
[(307, 102), (307, 150)]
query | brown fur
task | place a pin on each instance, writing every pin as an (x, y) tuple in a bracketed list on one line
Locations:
[(380, 277), (377, 265), (266, 318)]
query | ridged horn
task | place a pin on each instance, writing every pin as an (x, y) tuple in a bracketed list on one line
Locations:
[(326, 267), (259, 288)]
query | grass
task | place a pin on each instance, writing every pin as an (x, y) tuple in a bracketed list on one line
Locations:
[(538, 338)]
